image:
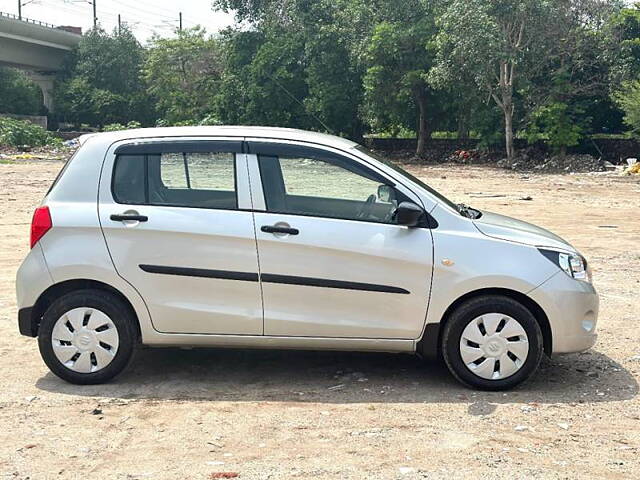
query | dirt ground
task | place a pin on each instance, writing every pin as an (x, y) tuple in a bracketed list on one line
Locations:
[(179, 414)]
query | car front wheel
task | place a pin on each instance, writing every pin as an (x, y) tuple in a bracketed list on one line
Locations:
[(492, 342)]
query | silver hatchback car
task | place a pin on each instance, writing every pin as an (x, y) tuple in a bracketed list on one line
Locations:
[(250, 237)]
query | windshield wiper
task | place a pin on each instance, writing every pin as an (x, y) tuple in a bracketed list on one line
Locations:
[(469, 212)]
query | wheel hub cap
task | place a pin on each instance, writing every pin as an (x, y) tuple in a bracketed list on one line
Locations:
[(85, 340), (494, 346)]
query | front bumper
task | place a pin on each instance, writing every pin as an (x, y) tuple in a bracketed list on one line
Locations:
[(572, 309)]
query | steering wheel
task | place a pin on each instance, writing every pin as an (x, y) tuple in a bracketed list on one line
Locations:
[(367, 207)]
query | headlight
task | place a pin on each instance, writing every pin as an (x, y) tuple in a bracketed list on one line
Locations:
[(573, 265)]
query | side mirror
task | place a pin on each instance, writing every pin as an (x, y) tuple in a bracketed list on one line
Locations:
[(408, 214)]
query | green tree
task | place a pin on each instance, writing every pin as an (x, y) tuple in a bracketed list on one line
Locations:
[(624, 30), (624, 51), (81, 102), (238, 48), (628, 99), (557, 125), (182, 74), (489, 42), (18, 94), (398, 64), (101, 80), (570, 77), (302, 73), (334, 82)]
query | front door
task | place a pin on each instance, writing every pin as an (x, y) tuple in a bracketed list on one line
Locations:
[(171, 219), (332, 261)]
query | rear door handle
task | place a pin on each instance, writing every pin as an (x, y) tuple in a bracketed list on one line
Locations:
[(276, 229), (125, 217)]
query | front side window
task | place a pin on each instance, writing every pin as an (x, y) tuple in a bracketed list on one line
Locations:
[(314, 178), (326, 187), (198, 180)]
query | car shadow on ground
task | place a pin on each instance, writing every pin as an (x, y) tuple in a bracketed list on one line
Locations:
[(332, 377)]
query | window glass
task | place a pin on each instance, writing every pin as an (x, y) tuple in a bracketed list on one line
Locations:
[(312, 186), (128, 179), (211, 171), (314, 178), (404, 173), (173, 171), (200, 180)]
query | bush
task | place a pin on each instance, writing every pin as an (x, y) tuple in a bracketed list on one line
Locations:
[(397, 131), (207, 120), (210, 120), (557, 125), (184, 123), (112, 127), (20, 132)]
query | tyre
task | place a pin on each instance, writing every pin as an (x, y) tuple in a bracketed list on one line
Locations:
[(87, 336), (492, 342)]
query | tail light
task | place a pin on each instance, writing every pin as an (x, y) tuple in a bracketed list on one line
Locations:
[(40, 224)]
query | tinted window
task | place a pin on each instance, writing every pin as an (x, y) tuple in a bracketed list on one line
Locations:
[(202, 180), (129, 179), (310, 185)]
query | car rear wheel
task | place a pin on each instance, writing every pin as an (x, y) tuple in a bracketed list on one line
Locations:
[(492, 342), (87, 336)]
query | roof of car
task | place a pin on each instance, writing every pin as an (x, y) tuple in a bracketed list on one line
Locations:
[(223, 131)]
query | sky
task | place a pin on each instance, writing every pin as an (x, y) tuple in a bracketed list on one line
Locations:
[(144, 16)]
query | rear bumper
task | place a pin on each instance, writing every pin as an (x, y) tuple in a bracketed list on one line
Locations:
[(32, 280), (26, 324), (572, 309)]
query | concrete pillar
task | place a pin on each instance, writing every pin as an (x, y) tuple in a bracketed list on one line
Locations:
[(45, 82)]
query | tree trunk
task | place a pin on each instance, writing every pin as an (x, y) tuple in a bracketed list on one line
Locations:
[(463, 125), (563, 151), (424, 132), (508, 130), (504, 99)]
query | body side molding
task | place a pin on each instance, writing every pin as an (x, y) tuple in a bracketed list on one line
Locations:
[(272, 278)]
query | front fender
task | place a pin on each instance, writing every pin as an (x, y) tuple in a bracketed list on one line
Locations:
[(469, 261)]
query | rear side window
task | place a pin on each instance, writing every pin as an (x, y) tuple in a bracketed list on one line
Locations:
[(129, 179), (198, 180)]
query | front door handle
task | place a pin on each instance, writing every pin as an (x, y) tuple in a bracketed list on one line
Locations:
[(130, 217), (278, 229)]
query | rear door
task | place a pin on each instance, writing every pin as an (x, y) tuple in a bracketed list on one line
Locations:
[(333, 263), (172, 216)]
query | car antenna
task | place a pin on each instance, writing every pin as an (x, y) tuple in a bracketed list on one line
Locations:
[(330, 130)]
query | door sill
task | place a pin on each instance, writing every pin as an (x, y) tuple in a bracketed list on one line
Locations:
[(272, 342)]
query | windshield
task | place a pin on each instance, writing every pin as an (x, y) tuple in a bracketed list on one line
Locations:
[(406, 174)]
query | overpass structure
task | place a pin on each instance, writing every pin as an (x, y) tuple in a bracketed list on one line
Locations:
[(36, 47)]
